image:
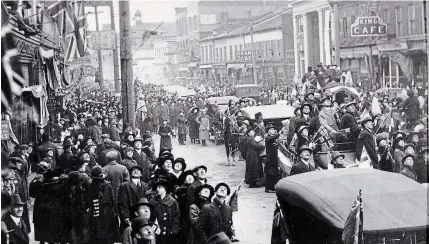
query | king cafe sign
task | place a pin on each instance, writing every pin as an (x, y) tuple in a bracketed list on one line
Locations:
[(368, 26)]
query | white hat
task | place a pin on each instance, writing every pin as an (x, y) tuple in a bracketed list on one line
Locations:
[(258, 138)]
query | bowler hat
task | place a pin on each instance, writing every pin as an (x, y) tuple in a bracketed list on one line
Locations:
[(200, 167), (139, 223), (16, 200), (207, 186), (97, 172), (335, 155), (136, 167), (305, 148), (307, 105), (228, 190), (407, 156), (142, 201), (180, 160), (138, 138)]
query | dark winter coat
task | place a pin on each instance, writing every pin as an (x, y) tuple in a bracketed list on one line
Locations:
[(409, 172), (103, 220), (65, 161), (411, 107), (214, 218), (18, 233), (422, 170), (366, 139), (184, 216), (182, 130), (348, 120), (194, 214), (168, 215), (193, 126), (254, 170), (190, 194), (116, 175), (271, 165), (51, 223), (299, 167), (128, 195), (141, 159), (164, 132)]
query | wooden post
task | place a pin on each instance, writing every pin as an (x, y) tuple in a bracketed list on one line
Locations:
[(100, 58), (126, 63), (116, 77)]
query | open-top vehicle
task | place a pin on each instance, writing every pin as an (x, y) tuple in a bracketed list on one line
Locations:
[(315, 206)]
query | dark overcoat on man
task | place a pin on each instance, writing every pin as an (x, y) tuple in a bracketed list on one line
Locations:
[(348, 121), (174, 115), (50, 221), (102, 156), (40, 151), (65, 161), (299, 167), (116, 175), (271, 170), (168, 215), (142, 160), (214, 218), (254, 170), (103, 218), (366, 139), (129, 194), (190, 194), (18, 233)]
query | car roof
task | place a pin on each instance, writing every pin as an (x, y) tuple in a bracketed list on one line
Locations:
[(222, 100), (278, 111), (392, 202)]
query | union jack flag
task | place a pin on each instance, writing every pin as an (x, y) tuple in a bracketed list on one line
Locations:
[(322, 137), (12, 80)]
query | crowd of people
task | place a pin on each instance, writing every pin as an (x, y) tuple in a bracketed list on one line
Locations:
[(106, 184)]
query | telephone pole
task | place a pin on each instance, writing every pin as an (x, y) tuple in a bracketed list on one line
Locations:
[(117, 80), (255, 77), (126, 63), (100, 59)]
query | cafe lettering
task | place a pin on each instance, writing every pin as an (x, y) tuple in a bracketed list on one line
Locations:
[(368, 26)]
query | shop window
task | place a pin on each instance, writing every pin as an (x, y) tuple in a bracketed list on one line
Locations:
[(387, 17)]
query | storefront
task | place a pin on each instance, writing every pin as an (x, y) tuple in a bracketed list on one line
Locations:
[(220, 71)]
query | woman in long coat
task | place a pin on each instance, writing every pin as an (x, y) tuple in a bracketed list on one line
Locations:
[(182, 130), (193, 125), (204, 121), (254, 170), (103, 224), (195, 209), (165, 132)]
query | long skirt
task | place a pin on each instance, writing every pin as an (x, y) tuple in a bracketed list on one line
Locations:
[(254, 170)]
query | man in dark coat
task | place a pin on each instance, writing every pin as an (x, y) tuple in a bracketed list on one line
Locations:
[(166, 212), (348, 121), (129, 193), (141, 159), (306, 117), (109, 147), (272, 173), (200, 179), (303, 165), (116, 173), (365, 146), (215, 217), (411, 108), (66, 156), (13, 220), (174, 115), (40, 151)]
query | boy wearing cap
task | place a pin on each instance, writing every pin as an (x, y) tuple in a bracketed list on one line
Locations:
[(215, 217), (408, 171), (18, 229)]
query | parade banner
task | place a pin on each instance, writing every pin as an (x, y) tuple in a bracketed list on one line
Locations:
[(368, 26)]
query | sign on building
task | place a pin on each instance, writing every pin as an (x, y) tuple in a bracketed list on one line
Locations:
[(5, 133), (290, 65), (102, 40), (368, 26), (244, 55)]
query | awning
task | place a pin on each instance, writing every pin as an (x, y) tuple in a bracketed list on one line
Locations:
[(193, 64), (206, 66), (236, 66)]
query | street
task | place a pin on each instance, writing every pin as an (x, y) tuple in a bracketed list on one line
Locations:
[(253, 220)]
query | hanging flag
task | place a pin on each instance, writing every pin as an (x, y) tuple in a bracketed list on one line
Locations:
[(233, 200), (353, 227), (12, 80)]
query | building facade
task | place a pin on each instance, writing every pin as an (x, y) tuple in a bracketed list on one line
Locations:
[(397, 59), (228, 53)]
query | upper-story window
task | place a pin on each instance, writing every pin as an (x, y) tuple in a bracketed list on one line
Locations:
[(398, 16), (411, 18)]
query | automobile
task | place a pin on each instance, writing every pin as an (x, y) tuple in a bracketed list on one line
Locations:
[(313, 207), (246, 91), (222, 102), (217, 106)]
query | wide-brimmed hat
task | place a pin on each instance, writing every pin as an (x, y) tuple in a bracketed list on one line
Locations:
[(183, 176), (308, 94), (67, 143), (49, 149), (89, 146), (142, 202), (301, 128), (201, 187), (16, 200), (163, 182), (348, 104), (407, 156), (335, 155), (136, 167), (228, 190), (181, 161), (97, 172), (305, 148)]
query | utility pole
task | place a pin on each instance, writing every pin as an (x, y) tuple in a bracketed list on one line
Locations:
[(336, 34), (126, 63), (117, 80), (255, 78), (100, 59)]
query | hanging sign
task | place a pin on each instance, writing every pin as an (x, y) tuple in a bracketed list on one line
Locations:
[(368, 26), (5, 132), (102, 40)]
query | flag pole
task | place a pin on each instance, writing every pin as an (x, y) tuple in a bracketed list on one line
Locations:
[(360, 238)]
